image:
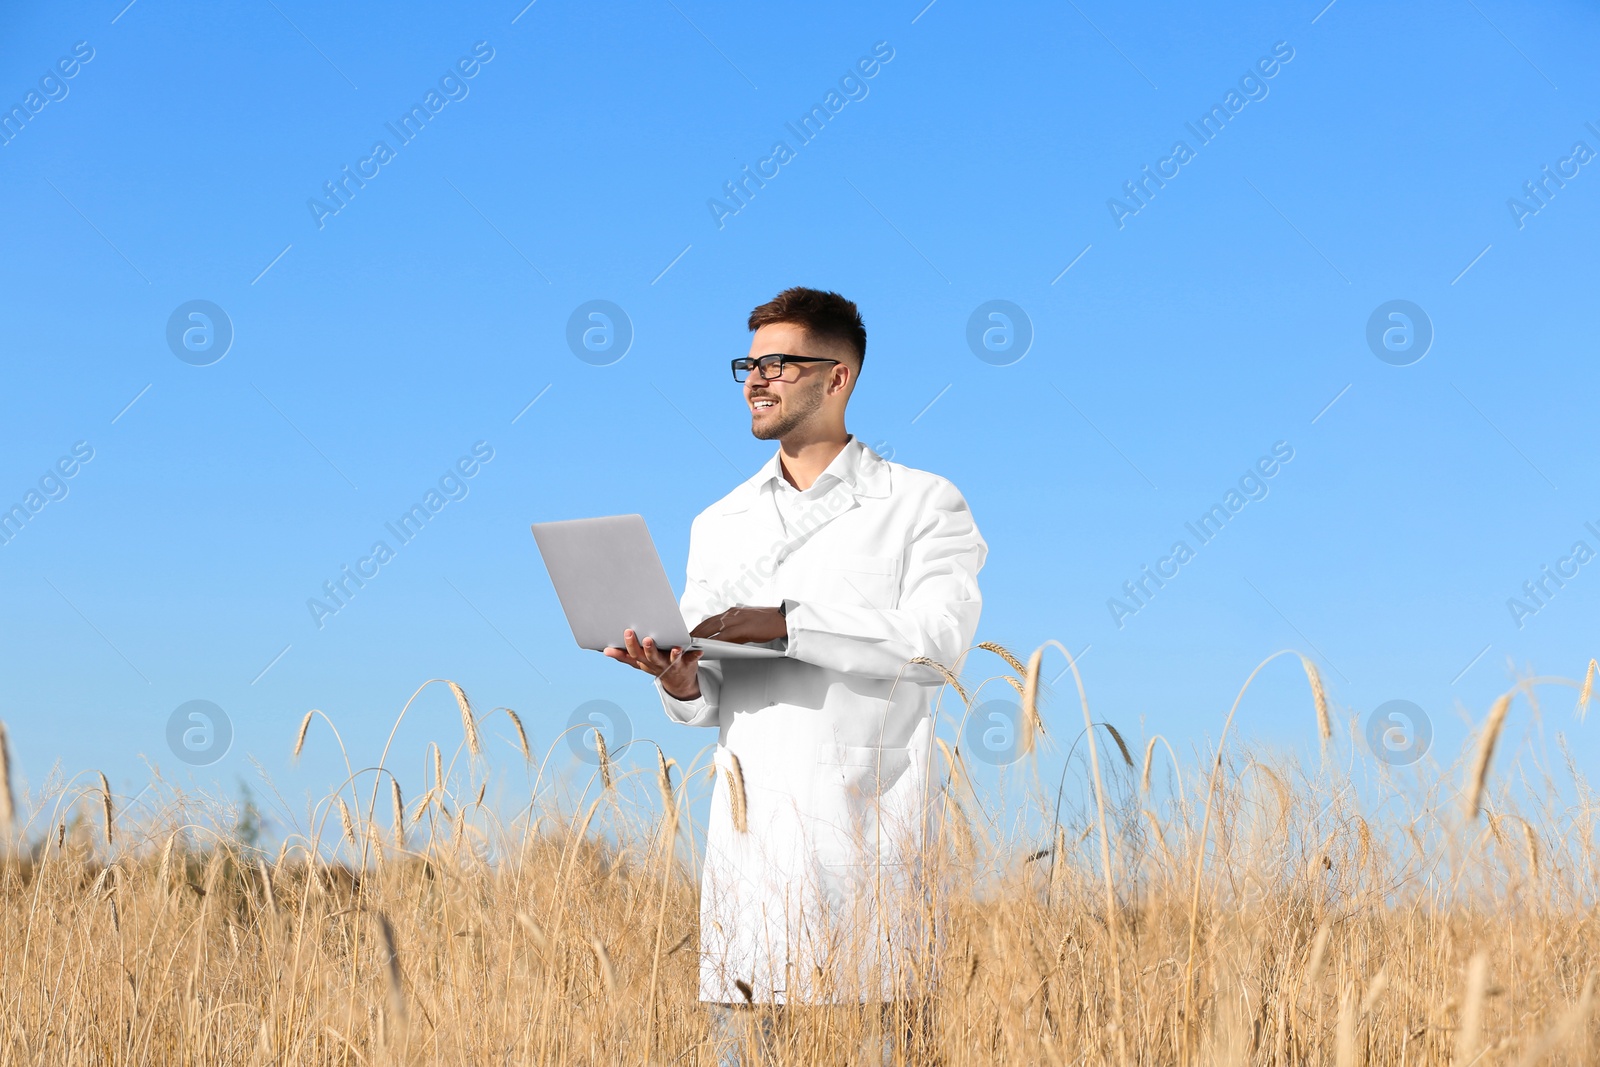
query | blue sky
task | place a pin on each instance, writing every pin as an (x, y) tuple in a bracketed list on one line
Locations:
[(1172, 347)]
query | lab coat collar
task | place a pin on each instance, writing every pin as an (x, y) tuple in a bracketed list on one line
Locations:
[(862, 471)]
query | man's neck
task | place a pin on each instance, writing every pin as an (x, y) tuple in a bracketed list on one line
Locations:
[(803, 461)]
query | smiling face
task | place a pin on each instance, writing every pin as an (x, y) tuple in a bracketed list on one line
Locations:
[(806, 392)]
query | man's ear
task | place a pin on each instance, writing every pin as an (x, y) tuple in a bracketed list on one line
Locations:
[(847, 385)]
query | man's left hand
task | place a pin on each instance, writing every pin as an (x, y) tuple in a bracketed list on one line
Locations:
[(744, 625)]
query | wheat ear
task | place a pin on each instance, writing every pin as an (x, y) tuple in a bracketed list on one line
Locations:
[(399, 816), (664, 782), (300, 738), (1122, 746), (522, 735), (602, 959), (105, 796), (1583, 694), (1030, 701), (391, 971), (736, 798), (604, 755), (469, 725), (990, 646), (166, 861), (8, 810), (1472, 1009), (1480, 764), (1319, 697), (344, 821), (948, 675)]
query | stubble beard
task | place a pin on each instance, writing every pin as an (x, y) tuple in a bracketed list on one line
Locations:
[(799, 407)]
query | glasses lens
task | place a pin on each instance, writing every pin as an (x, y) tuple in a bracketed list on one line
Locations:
[(771, 367), (741, 369)]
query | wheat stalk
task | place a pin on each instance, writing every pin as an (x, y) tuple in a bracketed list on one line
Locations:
[(266, 886), (1480, 764), (469, 725), (1467, 1037), (375, 838), (955, 683), (664, 783), (399, 815), (1319, 955), (522, 735), (734, 775), (1344, 1033), (1031, 723), (8, 809), (1380, 982), (1570, 1023), (300, 738), (1319, 697), (166, 861), (1149, 757), (535, 935), (391, 971), (604, 756), (602, 961), (1016, 664), (1583, 694), (105, 796), (344, 822), (1122, 746), (950, 761)]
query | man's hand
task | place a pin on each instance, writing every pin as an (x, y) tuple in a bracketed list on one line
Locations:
[(679, 671), (744, 625)]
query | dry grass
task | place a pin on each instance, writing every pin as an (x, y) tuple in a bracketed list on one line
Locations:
[(1266, 913)]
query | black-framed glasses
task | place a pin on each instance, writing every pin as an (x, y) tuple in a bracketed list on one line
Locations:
[(770, 366)]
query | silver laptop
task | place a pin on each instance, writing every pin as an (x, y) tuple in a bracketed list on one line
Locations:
[(610, 579)]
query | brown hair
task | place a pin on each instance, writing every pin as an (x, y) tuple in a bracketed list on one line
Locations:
[(824, 315)]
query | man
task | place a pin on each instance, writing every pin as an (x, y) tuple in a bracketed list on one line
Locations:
[(854, 566)]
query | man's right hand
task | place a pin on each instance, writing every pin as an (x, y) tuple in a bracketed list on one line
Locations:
[(678, 671)]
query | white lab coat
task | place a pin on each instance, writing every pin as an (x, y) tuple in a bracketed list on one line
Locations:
[(820, 901)]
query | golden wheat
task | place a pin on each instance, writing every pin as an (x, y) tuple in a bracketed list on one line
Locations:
[(8, 809), (300, 738), (105, 797), (469, 725), (736, 797), (344, 822), (522, 735), (1584, 693), (1333, 927), (1319, 699), (1016, 664), (604, 756), (1485, 752), (399, 814)]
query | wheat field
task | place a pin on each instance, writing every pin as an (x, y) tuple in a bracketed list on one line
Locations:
[(1234, 908)]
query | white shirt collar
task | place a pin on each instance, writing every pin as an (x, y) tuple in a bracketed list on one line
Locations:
[(846, 467)]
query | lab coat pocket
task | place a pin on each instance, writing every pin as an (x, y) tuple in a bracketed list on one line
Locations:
[(870, 796), (866, 581), (864, 772)]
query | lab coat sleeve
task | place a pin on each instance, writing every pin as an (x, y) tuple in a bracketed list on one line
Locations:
[(937, 615), (698, 604)]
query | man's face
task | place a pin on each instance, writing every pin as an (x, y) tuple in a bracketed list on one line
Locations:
[(780, 405)]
